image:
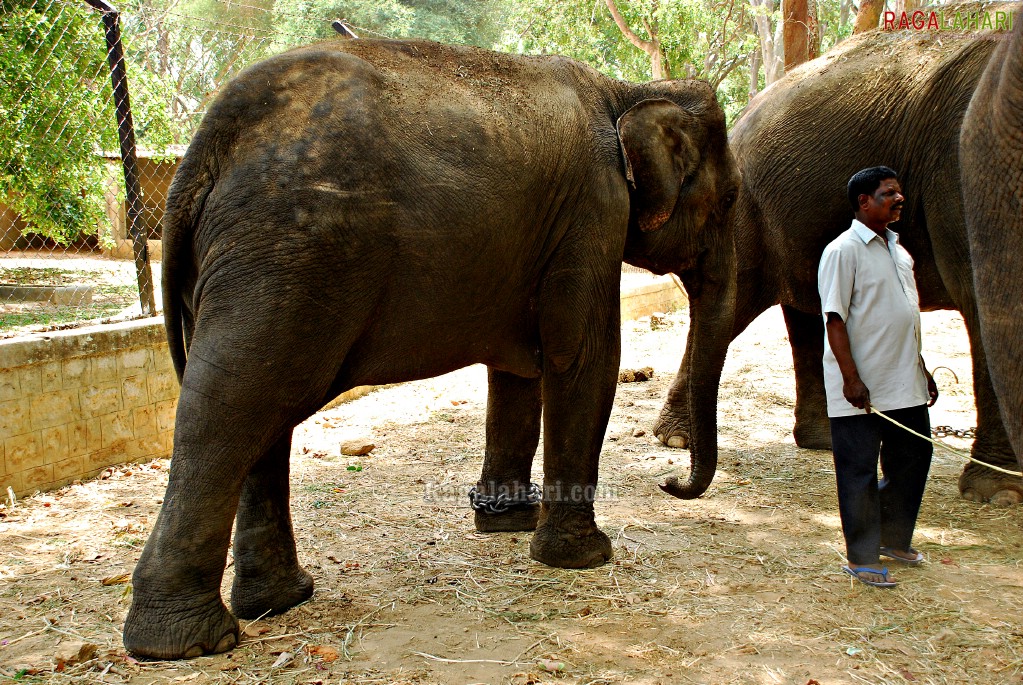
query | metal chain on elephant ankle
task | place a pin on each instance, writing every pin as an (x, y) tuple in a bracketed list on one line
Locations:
[(949, 431), (502, 502), (945, 431), (956, 452)]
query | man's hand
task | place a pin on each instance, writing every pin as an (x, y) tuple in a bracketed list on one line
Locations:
[(932, 388), (852, 387), (857, 394)]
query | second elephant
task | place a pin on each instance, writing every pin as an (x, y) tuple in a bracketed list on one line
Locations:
[(879, 98), (992, 169)]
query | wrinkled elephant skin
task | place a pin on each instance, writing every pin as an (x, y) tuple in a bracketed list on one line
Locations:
[(368, 212), (892, 98), (991, 154)]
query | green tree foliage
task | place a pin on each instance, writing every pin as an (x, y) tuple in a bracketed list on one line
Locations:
[(56, 114), (708, 39), (466, 22), (180, 52), (835, 24)]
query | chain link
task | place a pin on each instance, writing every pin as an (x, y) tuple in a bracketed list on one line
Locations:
[(502, 502), (950, 432)]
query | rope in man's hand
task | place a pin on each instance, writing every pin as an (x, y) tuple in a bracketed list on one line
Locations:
[(956, 452)]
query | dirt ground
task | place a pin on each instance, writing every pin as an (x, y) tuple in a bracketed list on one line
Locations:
[(114, 282), (741, 586)]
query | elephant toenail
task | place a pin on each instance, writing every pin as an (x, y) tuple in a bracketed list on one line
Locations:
[(194, 651), (1006, 498), (227, 642)]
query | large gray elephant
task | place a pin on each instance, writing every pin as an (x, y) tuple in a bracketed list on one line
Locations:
[(991, 153), (367, 212), (896, 99)]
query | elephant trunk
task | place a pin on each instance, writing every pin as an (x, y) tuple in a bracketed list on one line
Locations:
[(711, 291)]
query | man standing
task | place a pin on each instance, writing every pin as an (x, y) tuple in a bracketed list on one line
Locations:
[(872, 359)]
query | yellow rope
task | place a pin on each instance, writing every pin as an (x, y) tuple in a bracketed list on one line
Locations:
[(946, 447)]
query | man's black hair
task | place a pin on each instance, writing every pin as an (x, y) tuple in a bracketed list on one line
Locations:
[(866, 181)]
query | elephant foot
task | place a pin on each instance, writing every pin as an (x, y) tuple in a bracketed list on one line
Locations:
[(981, 484), (567, 537), (1000, 498), (268, 594), (672, 427), (173, 628), (813, 434), (513, 520)]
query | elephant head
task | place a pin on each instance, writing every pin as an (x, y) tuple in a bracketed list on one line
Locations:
[(683, 183), (991, 157)]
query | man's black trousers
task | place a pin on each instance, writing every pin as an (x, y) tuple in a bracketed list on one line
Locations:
[(876, 514)]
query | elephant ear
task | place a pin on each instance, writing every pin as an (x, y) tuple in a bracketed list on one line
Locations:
[(659, 154)]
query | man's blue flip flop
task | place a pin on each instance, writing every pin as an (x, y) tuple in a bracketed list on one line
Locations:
[(888, 552), (883, 572)]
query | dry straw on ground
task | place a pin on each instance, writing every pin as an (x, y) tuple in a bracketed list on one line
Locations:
[(740, 586)]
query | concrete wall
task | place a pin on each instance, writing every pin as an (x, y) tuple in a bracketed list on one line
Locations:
[(155, 176), (11, 228), (643, 300), (74, 402)]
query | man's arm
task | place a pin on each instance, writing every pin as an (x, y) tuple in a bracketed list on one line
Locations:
[(852, 387), (932, 387)]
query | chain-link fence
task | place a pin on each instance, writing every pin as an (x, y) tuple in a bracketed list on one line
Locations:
[(77, 240), (80, 216)]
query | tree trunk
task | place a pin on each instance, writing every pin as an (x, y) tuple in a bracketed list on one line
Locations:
[(869, 15), (754, 74), (843, 13), (907, 6), (813, 31), (771, 45), (163, 48), (796, 32), (659, 68)]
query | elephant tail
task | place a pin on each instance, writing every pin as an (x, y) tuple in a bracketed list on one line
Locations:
[(193, 182)]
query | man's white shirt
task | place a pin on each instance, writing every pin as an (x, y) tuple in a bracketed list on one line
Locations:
[(870, 284)]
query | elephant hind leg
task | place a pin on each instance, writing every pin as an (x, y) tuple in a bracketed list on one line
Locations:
[(235, 416), (268, 579)]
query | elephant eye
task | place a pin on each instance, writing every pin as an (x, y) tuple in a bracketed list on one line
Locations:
[(729, 199)]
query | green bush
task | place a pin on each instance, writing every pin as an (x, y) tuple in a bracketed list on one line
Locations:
[(56, 115)]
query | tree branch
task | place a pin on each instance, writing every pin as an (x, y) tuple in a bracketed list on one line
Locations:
[(644, 45)]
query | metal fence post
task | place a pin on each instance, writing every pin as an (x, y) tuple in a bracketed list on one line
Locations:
[(129, 162)]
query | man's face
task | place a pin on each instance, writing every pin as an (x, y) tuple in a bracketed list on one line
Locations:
[(884, 206)]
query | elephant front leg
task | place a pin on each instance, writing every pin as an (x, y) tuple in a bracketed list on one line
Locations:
[(268, 579), (502, 499), (578, 393), (806, 338), (991, 444)]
